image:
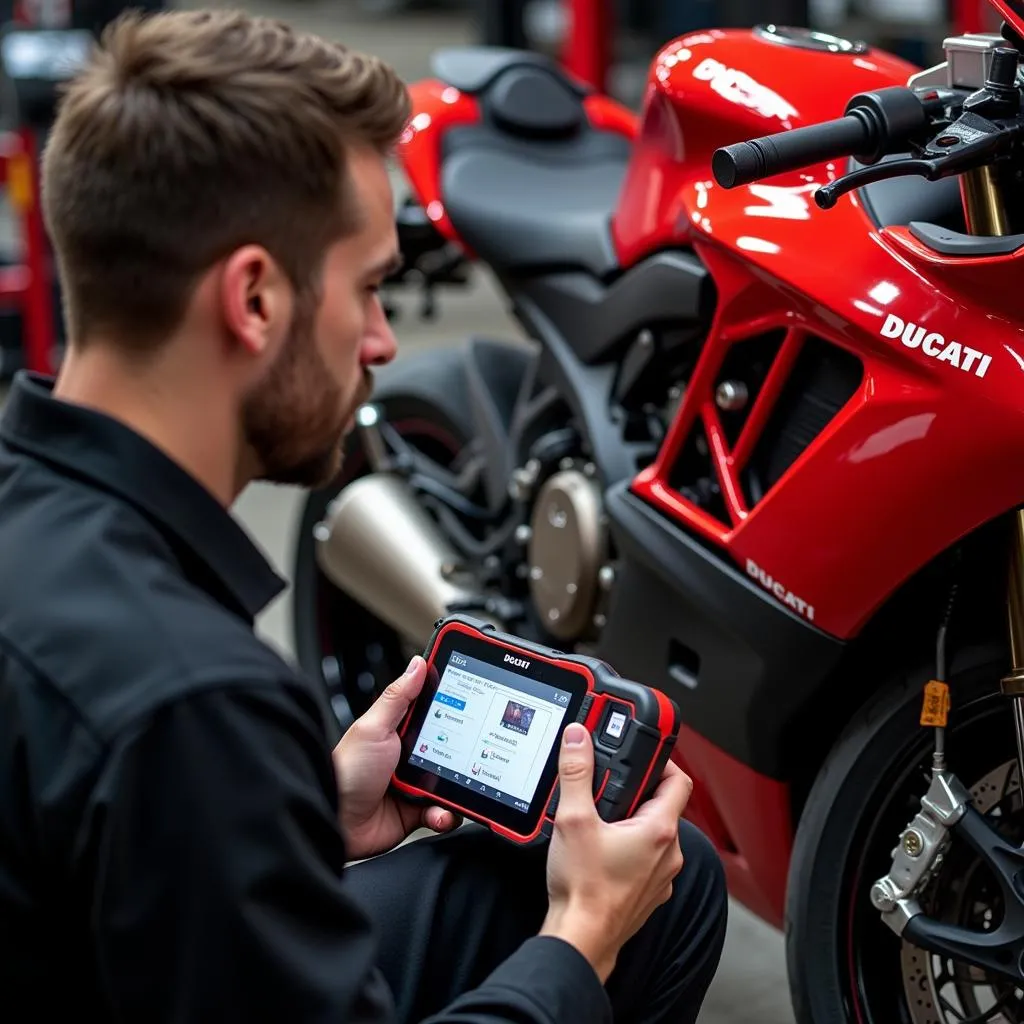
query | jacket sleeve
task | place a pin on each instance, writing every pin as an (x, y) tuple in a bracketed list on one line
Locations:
[(215, 860)]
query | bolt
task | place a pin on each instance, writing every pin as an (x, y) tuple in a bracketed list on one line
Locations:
[(553, 615), (606, 577), (589, 469), (882, 897), (322, 533), (523, 534), (599, 621), (522, 570), (536, 572), (645, 338), (731, 395), (570, 588), (566, 463), (913, 844)]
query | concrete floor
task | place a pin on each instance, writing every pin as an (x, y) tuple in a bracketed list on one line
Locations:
[(751, 983)]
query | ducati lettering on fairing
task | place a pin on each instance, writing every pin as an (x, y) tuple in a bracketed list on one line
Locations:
[(933, 344), (787, 597), (518, 662)]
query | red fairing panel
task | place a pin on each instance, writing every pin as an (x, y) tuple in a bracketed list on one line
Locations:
[(747, 817), (931, 445), (436, 108)]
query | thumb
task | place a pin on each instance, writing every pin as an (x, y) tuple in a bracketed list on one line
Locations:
[(576, 770), (388, 710)]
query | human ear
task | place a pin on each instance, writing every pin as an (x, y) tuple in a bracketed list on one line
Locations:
[(255, 299)]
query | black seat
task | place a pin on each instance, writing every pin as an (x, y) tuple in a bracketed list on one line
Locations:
[(534, 185)]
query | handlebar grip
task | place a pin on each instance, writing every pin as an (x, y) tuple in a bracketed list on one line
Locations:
[(744, 162)]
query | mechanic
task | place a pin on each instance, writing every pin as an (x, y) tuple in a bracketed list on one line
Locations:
[(177, 818)]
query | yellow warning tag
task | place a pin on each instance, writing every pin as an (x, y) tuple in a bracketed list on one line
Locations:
[(935, 709)]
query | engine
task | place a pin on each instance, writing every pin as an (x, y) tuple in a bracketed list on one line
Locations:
[(566, 547)]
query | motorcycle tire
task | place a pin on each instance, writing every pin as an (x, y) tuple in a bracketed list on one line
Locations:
[(336, 639), (844, 963)]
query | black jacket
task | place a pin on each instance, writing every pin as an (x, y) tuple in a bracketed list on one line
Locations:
[(169, 847)]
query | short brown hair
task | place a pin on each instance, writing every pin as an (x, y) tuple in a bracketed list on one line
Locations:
[(190, 134)]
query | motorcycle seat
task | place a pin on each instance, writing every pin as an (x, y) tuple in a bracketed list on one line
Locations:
[(533, 186)]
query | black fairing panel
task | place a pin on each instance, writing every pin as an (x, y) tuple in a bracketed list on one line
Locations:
[(681, 619), (668, 287)]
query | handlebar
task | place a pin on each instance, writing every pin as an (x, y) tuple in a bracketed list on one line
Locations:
[(873, 123)]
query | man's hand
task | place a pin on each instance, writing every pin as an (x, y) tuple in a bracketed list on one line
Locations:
[(372, 819), (605, 880)]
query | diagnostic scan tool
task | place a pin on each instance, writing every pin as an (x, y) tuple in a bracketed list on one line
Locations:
[(483, 736)]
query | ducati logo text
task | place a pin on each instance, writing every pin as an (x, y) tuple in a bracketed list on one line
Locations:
[(518, 662), (933, 344), (787, 597)]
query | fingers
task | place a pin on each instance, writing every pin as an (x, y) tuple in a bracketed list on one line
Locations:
[(388, 710), (576, 775), (671, 796), (437, 819)]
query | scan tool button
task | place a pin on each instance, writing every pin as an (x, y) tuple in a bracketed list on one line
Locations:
[(616, 722), (588, 703), (553, 803)]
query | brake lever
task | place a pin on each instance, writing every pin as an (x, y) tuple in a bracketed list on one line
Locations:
[(828, 195), (963, 158)]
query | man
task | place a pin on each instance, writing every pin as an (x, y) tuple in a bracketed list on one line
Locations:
[(174, 829)]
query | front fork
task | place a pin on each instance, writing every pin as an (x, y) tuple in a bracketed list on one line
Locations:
[(945, 809)]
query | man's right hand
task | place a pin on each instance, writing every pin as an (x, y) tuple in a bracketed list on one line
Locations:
[(606, 879)]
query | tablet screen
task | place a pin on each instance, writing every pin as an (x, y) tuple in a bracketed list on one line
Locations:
[(490, 730)]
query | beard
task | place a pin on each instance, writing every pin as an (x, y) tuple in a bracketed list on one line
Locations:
[(294, 420)]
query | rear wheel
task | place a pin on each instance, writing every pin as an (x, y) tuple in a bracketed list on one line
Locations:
[(844, 964), (336, 639)]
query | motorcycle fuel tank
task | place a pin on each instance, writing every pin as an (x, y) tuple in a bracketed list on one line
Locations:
[(713, 88)]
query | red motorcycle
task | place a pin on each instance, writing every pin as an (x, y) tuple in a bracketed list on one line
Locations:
[(763, 447)]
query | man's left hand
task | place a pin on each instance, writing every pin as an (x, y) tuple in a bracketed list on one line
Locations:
[(374, 820)]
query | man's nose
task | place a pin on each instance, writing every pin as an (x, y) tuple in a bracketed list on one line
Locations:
[(380, 345)]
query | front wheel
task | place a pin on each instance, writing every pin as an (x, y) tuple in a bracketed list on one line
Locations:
[(844, 964)]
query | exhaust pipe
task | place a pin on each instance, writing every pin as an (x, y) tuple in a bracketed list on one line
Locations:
[(380, 547)]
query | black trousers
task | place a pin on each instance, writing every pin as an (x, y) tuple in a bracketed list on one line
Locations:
[(449, 909)]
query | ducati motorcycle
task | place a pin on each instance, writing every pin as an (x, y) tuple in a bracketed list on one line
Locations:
[(761, 445)]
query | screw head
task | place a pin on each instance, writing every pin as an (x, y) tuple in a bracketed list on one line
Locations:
[(913, 844)]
